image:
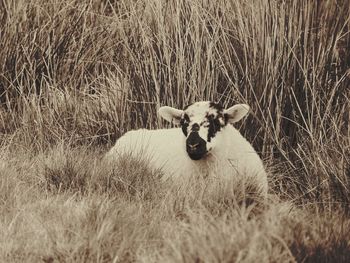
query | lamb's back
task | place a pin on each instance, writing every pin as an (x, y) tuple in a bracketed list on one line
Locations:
[(163, 148)]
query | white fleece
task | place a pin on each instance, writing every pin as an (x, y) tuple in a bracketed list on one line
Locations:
[(233, 156)]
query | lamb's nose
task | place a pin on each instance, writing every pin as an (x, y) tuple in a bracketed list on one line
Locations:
[(193, 146)]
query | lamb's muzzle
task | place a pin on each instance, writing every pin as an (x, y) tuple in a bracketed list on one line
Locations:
[(196, 147)]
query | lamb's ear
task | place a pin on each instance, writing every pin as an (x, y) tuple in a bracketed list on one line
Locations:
[(170, 114), (235, 113)]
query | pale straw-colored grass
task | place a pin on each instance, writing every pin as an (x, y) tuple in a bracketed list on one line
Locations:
[(75, 76)]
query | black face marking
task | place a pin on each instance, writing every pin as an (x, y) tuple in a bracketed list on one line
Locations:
[(214, 125), (220, 110), (184, 122), (216, 106)]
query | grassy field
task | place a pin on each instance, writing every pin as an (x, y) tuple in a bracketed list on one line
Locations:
[(76, 75)]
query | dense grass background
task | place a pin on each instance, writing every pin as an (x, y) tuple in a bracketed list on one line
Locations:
[(76, 75)]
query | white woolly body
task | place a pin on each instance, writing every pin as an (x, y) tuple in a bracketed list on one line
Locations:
[(233, 156)]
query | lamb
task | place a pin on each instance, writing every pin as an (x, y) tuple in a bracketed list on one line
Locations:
[(205, 143)]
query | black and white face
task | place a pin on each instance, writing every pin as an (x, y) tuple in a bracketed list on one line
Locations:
[(202, 123)]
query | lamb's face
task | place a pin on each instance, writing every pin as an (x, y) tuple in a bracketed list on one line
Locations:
[(202, 123)]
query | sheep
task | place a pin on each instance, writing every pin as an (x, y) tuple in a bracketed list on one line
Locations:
[(205, 143)]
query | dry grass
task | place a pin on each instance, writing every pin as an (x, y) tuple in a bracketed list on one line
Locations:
[(76, 75), (66, 205)]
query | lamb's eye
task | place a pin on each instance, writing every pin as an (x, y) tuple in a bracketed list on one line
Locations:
[(183, 121)]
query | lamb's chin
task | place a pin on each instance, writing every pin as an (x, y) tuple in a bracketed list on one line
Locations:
[(198, 157)]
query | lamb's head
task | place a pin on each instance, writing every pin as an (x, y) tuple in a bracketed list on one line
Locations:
[(202, 123)]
